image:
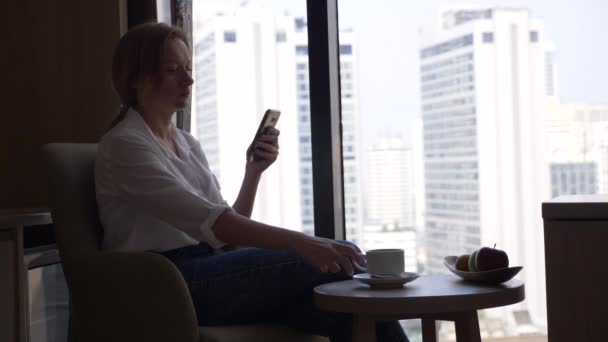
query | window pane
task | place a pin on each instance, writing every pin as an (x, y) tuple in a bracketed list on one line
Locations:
[(458, 128), (533, 36), (248, 58), (229, 36), (488, 37)]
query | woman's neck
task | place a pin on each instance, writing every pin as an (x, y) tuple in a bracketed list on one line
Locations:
[(159, 123)]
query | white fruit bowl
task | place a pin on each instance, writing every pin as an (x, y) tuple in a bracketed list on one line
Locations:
[(493, 277)]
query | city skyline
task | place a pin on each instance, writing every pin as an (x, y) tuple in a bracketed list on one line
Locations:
[(483, 81), (238, 56), (349, 74), (393, 107), (501, 165), (262, 59), (389, 191), (577, 135)]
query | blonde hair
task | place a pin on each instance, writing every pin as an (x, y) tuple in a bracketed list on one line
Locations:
[(137, 59)]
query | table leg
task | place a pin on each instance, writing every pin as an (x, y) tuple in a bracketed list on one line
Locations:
[(467, 327), (364, 329), (429, 330)]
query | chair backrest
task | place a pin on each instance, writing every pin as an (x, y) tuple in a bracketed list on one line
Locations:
[(72, 199)]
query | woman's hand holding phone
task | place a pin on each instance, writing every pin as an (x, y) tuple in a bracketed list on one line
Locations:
[(264, 148)]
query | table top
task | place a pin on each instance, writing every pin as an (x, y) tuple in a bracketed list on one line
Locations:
[(426, 295), (11, 218)]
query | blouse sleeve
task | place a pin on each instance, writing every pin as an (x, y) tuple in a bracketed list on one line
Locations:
[(148, 185)]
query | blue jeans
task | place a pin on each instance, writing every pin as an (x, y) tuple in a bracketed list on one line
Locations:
[(254, 285)]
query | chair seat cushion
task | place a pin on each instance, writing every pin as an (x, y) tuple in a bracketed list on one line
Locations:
[(255, 333)]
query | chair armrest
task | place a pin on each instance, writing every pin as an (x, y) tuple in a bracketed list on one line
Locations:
[(131, 296)]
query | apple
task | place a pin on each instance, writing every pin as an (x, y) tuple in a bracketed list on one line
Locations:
[(473, 262), (490, 259), (462, 263)]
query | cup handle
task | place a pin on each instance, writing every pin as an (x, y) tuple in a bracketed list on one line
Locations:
[(359, 267)]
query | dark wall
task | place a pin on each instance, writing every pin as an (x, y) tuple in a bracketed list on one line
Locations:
[(57, 83)]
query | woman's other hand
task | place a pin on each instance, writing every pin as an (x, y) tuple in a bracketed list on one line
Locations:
[(265, 150), (326, 255)]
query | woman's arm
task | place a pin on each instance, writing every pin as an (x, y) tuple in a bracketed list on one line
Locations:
[(325, 254), (146, 184), (244, 202), (265, 152)]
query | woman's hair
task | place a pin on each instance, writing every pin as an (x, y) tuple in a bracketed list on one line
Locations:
[(137, 59)]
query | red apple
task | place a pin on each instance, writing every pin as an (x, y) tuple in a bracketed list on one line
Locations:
[(491, 259)]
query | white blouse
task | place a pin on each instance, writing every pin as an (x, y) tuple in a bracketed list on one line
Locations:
[(149, 198)]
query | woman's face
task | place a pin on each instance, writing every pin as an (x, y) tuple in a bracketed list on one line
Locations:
[(172, 88)]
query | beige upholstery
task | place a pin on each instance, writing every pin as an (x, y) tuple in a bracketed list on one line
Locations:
[(124, 296)]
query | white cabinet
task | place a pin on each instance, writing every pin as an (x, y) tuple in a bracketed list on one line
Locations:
[(14, 319), (48, 304), (13, 302)]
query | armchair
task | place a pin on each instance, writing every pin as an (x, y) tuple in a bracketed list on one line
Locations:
[(124, 296)]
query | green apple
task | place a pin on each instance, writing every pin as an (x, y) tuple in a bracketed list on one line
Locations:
[(473, 262)]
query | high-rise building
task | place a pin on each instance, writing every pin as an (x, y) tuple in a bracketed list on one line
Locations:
[(573, 178), (578, 134), (390, 214), (551, 84), (246, 60), (600, 152), (353, 209), (483, 88), (419, 193), (390, 192), (244, 63)]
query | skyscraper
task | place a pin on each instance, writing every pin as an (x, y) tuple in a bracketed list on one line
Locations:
[(573, 178), (577, 134), (390, 192), (390, 221), (483, 102), (350, 132), (243, 64), (246, 60)]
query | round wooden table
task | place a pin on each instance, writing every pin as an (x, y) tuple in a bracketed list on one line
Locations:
[(430, 298)]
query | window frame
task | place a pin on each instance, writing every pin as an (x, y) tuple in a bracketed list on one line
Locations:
[(326, 118), (325, 113), (181, 16)]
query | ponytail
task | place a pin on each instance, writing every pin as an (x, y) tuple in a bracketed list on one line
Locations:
[(121, 115)]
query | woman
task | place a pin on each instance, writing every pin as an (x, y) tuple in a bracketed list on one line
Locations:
[(156, 193)]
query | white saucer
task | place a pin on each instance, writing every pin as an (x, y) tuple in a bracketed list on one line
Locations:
[(386, 283)]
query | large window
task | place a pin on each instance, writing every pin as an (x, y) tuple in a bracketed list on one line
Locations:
[(250, 56), (455, 129), (453, 126)]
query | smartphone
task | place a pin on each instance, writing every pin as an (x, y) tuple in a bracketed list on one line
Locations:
[(270, 119)]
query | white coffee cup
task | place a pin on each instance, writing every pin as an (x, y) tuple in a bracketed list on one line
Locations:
[(383, 262)]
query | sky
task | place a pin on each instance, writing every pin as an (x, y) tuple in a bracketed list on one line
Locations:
[(387, 33)]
